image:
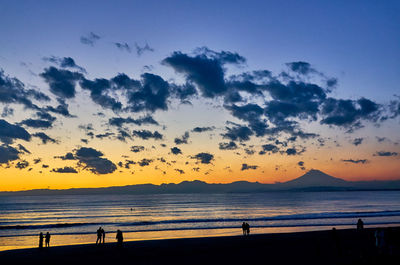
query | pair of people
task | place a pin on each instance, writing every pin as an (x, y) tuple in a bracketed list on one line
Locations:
[(47, 239), (100, 235), (246, 228)]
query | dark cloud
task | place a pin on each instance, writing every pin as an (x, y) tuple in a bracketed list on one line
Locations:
[(23, 149), (348, 114), (67, 156), (123, 46), (228, 146), (64, 170), (90, 39), (140, 50), (88, 152), (61, 109), (45, 166), (180, 171), (204, 69), (8, 153), (238, 132), (146, 134), (65, 62), (300, 67), (293, 151), (204, 158), (357, 141), (22, 164), (183, 92), (61, 82), (91, 159), (252, 114), (203, 129), (183, 139), (270, 148), (118, 121), (7, 112), (10, 132), (37, 123), (145, 162), (137, 148), (385, 153), (37, 161), (104, 135), (98, 89), (247, 167), (176, 150), (358, 161), (13, 90)]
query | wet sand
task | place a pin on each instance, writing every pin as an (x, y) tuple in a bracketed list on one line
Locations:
[(320, 247)]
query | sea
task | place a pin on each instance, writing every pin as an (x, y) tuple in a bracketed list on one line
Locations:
[(74, 219)]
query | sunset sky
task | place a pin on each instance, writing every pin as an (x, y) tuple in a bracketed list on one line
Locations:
[(107, 93)]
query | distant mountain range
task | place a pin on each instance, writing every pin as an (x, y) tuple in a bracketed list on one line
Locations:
[(313, 180)]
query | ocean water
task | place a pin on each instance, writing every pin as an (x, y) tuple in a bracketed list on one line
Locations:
[(74, 219)]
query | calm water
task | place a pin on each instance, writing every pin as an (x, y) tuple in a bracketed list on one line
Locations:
[(75, 219)]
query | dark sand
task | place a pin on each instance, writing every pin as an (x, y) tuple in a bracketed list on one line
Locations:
[(321, 247)]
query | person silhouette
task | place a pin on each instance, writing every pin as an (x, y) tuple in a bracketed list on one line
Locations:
[(120, 238), (41, 240), (47, 239), (244, 228), (98, 241), (104, 235), (247, 229), (360, 225)]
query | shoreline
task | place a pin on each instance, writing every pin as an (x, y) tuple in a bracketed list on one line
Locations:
[(348, 246)]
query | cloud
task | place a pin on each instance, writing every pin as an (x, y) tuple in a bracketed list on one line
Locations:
[(67, 156), (228, 146), (176, 150), (92, 160), (385, 153), (118, 121), (204, 69), (37, 123), (180, 171), (252, 114), (203, 129), (13, 90), (238, 132), (86, 152), (8, 153), (247, 167), (123, 46), (98, 89), (22, 149), (137, 148), (65, 62), (358, 161), (300, 67), (141, 50), (37, 161), (64, 170), (10, 132), (145, 162), (204, 158), (7, 111), (61, 82), (22, 164), (183, 139), (270, 148), (358, 141), (146, 134), (301, 165), (61, 109), (90, 39)]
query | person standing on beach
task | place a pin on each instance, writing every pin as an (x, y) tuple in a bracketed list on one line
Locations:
[(98, 241), (360, 225), (244, 228), (104, 235), (41, 240), (120, 238), (47, 238), (247, 229)]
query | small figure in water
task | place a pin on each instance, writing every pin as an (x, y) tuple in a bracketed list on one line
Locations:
[(98, 241), (360, 225), (104, 235), (41, 240), (47, 239), (120, 238)]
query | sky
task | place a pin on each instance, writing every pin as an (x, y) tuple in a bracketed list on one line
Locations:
[(111, 93)]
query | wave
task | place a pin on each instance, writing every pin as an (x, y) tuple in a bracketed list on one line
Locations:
[(294, 217)]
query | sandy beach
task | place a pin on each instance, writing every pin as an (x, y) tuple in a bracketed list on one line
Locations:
[(321, 247)]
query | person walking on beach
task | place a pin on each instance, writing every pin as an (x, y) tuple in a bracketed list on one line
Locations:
[(360, 225), (47, 239), (41, 240), (247, 229), (120, 238), (104, 235), (98, 241), (244, 228)]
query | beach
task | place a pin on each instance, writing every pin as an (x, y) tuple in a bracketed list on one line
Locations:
[(347, 246)]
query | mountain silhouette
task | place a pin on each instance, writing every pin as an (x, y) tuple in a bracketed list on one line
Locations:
[(313, 180)]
